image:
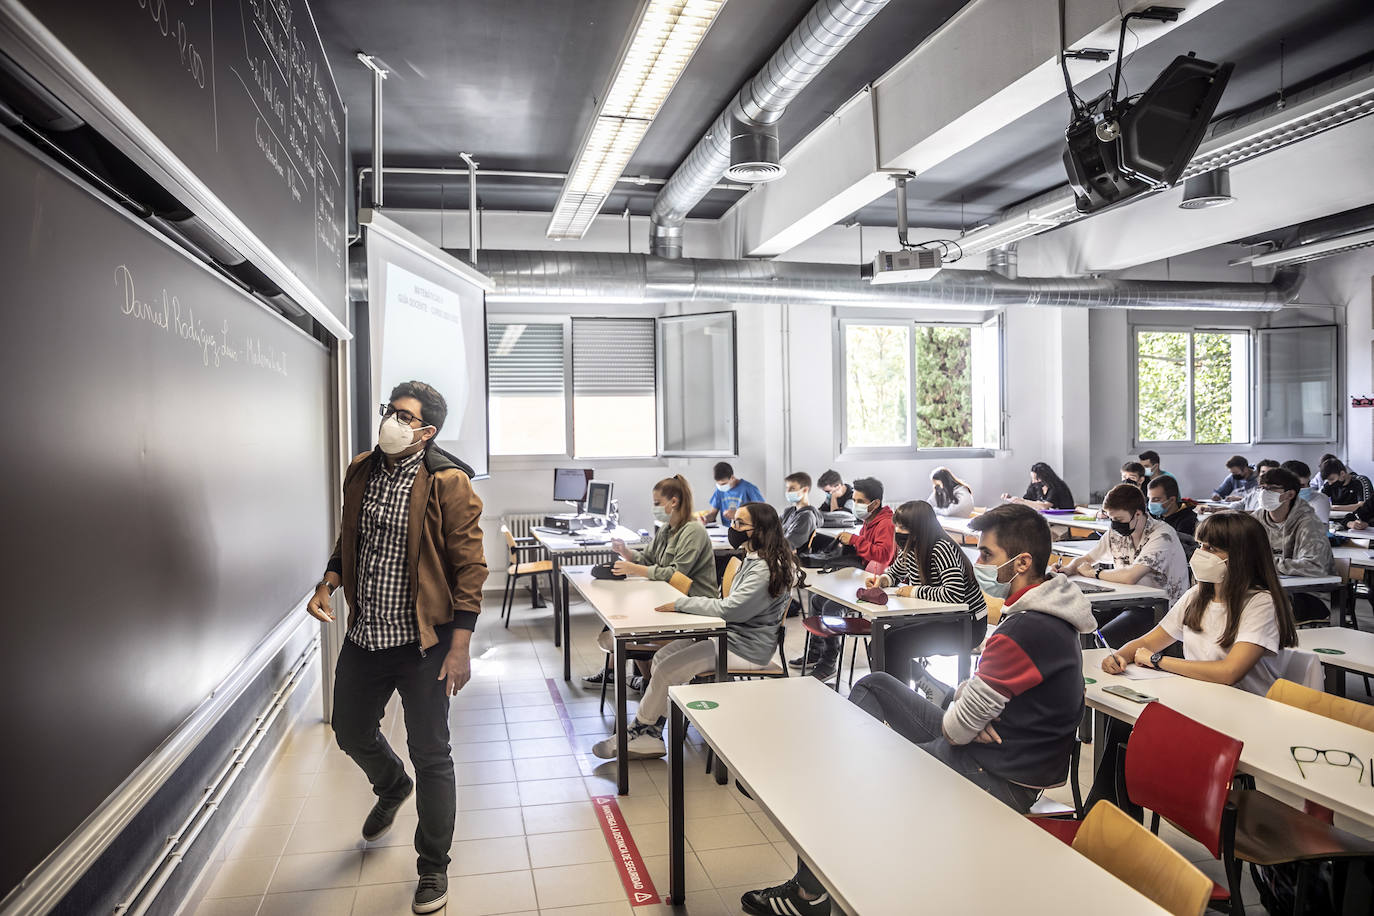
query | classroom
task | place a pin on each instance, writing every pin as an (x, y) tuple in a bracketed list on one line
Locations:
[(709, 457)]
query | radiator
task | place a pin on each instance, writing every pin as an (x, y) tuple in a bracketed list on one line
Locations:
[(521, 524)]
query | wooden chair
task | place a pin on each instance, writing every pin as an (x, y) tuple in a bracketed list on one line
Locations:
[(1115, 841), (1360, 715), (521, 568)]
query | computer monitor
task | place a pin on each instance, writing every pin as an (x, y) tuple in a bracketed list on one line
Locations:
[(599, 497), (570, 484)]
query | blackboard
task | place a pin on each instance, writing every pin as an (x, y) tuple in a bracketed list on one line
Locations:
[(241, 93), (166, 492)]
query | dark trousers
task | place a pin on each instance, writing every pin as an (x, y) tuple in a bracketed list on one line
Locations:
[(1121, 625), (916, 719), (826, 647), (363, 683)]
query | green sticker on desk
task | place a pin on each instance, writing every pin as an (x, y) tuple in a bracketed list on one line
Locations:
[(1089, 680), (702, 704), (1329, 651)]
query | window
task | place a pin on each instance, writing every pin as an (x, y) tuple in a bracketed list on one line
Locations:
[(527, 405), (615, 413), (696, 356), (910, 386), (1192, 386), (1298, 384)]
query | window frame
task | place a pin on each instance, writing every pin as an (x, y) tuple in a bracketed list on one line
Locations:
[(1133, 362), (733, 450), (976, 322), (1337, 388), (535, 318)]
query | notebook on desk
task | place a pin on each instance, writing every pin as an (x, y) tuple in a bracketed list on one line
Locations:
[(1092, 588)]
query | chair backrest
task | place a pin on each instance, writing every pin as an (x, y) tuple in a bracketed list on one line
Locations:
[(1181, 770), (1115, 841), (1300, 667), (727, 579), (522, 523), (681, 582), (1359, 715), (510, 543)]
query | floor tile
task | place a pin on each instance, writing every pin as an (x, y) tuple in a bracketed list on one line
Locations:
[(242, 877), (694, 878), (741, 864), (318, 870), (552, 791), (483, 772), (331, 902), (575, 847), (486, 750), (493, 822), (259, 814), (559, 818), (504, 892), (471, 734), (488, 795), (531, 768), (489, 855), (228, 906), (257, 842), (546, 728), (576, 885), (723, 832), (541, 747)]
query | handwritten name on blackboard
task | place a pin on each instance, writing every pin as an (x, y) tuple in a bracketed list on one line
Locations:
[(166, 312)]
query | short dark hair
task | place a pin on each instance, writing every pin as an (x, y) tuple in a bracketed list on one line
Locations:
[(800, 478), (722, 471), (433, 407), (1332, 466), (829, 479), (1134, 467), (1126, 497), (1237, 461), (1166, 483), (1149, 455), (1278, 477), (1019, 529), (1299, 468), (1267, 463), (871, 487)]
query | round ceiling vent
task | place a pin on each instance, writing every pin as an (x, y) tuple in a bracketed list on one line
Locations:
[(755, 172), (754, 154), (1211, 189)]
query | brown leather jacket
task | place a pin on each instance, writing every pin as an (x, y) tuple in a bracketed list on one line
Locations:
[(443, 542)]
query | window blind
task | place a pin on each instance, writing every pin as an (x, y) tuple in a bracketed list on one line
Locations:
[(613, 357), (525, 359)]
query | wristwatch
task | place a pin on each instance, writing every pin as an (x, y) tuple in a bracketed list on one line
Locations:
[(1097, 572), (325, 583), (1154, 659)]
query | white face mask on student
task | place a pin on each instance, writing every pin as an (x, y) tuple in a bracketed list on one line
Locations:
[(794, 496), (395, 436), (661, 515), (1270, 500), (1207, 567), (861, 511), (987, 574)]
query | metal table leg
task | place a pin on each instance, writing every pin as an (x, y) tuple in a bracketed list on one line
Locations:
[(557, 577), (562, 592), (966, 654), (677, 821), (622, 741), (1099, 738), (878, 648), (722, 675)]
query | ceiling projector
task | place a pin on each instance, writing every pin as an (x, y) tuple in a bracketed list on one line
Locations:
[(907, 266)]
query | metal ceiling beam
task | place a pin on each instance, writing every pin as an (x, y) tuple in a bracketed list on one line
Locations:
[(993, 62)]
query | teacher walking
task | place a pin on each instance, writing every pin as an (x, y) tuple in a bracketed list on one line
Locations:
[(409, 558)]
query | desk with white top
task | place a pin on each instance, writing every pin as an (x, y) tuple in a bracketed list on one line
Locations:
[(1267, 728), (1340, 649), (586, 544), (842, 586), (626, 606), (921, 839)]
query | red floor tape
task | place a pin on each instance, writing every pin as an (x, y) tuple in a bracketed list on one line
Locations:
[(634, 874)]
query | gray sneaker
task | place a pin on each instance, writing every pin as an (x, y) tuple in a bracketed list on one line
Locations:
[(933, 690), (643, 742), (431, 893)]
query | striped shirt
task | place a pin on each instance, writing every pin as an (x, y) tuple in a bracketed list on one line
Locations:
[(949, 583), (386, 604)]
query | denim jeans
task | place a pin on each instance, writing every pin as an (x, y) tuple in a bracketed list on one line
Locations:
[(916, 719), (363, 683)]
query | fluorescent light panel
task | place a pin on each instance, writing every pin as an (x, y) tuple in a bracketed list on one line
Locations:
[(667, 36), (1315, 250)]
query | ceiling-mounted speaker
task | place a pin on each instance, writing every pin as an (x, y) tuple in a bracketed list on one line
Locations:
[(1210, 189), (754, 157)]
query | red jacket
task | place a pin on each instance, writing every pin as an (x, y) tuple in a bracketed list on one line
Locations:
[(874, 542)]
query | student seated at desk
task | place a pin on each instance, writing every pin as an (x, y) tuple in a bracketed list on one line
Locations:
[(1297, 537), (1046, 490), (839, 496), (752, 612), (1251, 502), (1310, 493), (1009, 729), (928, 565), (729, 495), (800, 519), (1348, 491), (1143, 551), (872, 545), (1133, 473), (1233, 625), (679, 545), (1240, 479), (950, 496), (1149, 459), (1166, 505)]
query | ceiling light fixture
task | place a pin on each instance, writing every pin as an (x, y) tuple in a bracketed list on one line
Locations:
[(1314, 251), (668, 34)]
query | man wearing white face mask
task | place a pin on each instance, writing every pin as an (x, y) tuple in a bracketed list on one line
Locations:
[(800, 519), (731, 493), (1298, 537), (409, 558)]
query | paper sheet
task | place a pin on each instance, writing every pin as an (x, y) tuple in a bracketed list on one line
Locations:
[(1137, 673)]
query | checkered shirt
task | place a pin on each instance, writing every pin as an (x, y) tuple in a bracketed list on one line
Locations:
[(386, 603)]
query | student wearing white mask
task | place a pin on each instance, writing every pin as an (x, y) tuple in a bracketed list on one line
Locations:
[(731, 492), (1297, 537), (800, 519), (1233, 624)]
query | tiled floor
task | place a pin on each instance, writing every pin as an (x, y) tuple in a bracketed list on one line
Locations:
[(527, 839)]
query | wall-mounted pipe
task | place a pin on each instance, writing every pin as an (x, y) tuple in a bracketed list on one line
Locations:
[(378, 74), (472, 207)]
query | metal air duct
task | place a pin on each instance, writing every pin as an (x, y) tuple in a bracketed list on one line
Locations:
[(827, 28), (560, 278)]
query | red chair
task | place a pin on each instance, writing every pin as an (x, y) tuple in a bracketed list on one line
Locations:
[(843, 627)]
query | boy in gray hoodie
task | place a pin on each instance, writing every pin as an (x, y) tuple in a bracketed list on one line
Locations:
[(1011, 726), (1297, 536)]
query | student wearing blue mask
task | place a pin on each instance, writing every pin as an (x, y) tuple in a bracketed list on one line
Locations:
[(800, 519), (1167, 505), (1149, 460), (729, 495), (1309, 493)]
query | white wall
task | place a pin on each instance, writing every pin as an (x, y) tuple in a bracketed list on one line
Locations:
[(1348, 280)]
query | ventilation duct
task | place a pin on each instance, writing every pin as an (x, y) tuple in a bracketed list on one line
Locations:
[(825, 31), (754, 154), (1203, 192), (561, 278)]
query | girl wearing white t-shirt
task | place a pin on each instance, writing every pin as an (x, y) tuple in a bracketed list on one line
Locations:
[(1232, 623)]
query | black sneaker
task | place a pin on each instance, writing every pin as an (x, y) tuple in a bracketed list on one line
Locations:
[(380, 818), (785, 898), (824, 669), (637, 683), (431, 893), (595, 679), (804, 661), (926, 684)]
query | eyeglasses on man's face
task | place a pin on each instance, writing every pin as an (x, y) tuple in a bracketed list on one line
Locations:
[(405, 416), (1333, 756)]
